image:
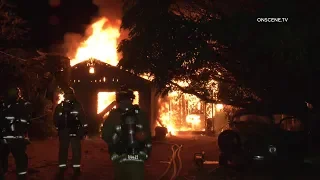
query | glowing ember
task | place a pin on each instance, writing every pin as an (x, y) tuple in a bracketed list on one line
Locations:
[(91, 70), (147, 77), (193, 119), (171, 130), (219, 107), (100, 45), (60, 97)]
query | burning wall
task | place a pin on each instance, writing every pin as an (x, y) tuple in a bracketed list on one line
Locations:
[(185, 112)]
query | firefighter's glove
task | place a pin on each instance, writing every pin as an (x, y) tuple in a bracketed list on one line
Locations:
[(85, 129), (116, 158), (3, 141), (85, 133), (143, 155), (27, 141), (82, 132)]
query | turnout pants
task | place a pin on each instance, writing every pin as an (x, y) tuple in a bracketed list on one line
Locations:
[(18, 149), (129, 171), (64, 142)]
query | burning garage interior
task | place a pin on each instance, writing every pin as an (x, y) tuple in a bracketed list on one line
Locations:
[(95, 84)]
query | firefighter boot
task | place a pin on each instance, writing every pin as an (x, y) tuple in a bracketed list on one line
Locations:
[(60, 174), (22, 177), (76, 173)]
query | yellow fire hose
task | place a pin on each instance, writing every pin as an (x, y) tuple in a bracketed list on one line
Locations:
[(175, 171), (173, 160), (176, 149), (180, 161)]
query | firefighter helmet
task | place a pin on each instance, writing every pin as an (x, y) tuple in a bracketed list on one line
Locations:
[(14, 93), (124, 93), (69, 90), (69, 93)]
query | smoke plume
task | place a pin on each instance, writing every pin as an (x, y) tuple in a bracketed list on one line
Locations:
[(111, 9)]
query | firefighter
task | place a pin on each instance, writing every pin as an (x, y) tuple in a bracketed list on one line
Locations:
[(71, 125), (126, 130), (209, 126), (15, 118)]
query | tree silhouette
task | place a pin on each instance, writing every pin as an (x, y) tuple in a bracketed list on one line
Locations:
[(221, 40), (14, 29), (35, 72), (14, 32)]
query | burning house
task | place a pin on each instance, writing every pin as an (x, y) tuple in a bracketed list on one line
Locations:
[(95, 77), (95, 83)]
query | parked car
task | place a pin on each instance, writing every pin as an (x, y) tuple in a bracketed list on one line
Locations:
[(262, 139)]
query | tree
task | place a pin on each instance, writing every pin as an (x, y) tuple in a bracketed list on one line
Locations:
[(200, 41), (14, 29), (14, 32), (35, 72)]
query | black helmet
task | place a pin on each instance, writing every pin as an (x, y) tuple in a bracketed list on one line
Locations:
[(69, 93), (69, 90), (124, 93), (14, 93)]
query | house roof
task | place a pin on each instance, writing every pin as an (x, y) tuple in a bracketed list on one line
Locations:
[(105, 72)]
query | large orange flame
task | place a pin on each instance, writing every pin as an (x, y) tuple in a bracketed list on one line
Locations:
[(106, 98), (100, 45)]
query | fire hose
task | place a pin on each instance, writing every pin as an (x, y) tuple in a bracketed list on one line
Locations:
[(39, 117), (176, 149)]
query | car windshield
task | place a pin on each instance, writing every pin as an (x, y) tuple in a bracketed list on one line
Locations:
[(252, 118), (289, 123)]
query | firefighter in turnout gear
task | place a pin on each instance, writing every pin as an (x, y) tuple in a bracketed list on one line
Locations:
[(127, 132), (15, 119), (70, 122)]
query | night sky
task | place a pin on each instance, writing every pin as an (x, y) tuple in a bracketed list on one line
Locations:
[(50, 20)]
